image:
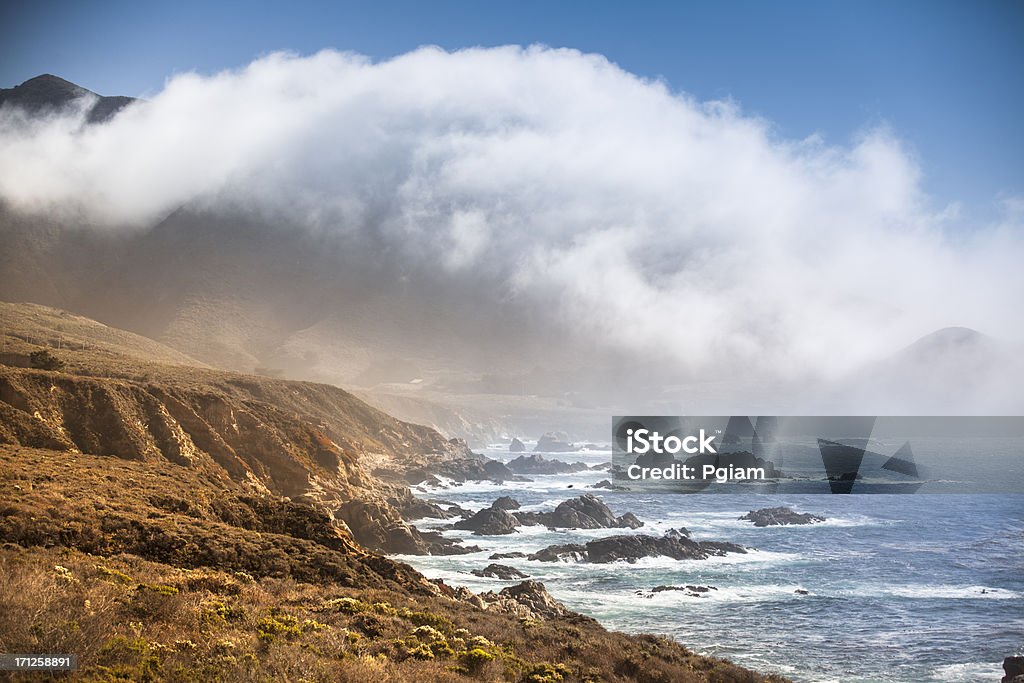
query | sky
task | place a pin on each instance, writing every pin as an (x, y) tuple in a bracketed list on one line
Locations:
[(944, 76)]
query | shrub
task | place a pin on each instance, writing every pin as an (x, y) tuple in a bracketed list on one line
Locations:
[(113, 574), (546, 673), (44, 360), (475, 660), (427, 619), (160, 590), (346, 605), (132, 659)]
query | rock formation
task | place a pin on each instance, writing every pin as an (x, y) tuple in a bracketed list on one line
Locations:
[(780, 516), (633, 547), (499, 571), (554, 442)]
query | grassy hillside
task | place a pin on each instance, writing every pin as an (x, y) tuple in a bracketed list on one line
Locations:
[(172, 522)]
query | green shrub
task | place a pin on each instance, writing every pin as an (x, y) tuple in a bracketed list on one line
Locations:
[(475, 660), (160, 590), (116, 576), (132, 659), (427, 619), (277, 624), (546, 673), (346, 605)]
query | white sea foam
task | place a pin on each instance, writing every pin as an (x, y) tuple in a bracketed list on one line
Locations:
[(968, 672), (752, 593), (668, 564), (545, 505), (920, 591)]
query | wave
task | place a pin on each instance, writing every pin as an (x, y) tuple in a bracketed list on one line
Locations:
[(705, 525), (949, 592), (968, 672), (752, 593)]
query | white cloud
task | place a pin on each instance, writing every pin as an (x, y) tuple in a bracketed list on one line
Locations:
[(643, 218)]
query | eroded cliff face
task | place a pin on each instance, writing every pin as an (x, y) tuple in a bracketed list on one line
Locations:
[(307, 442)]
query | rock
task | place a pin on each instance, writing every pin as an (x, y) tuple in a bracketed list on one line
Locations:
[(721, 548), (587, 512), (499, 472), (506, 556), (690, 590), (633, 547), (678, 532), (570, 552), (505, 503), (466, 595), (420, 509), (802, 591), (529, 518), (436, 544), (629, 521), (489, 522), (459, 511), (554, 442), (500, 571), (418, 475), (1014, 668), (475, 469), (538, 464), (605, 484), (529, 600), (380, 527), (780, 516), (516, 446)]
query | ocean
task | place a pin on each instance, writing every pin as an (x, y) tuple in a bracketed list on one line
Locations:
[(921, 587)]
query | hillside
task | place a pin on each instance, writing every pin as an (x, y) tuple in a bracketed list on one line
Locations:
[(122, 395), (174, 522), (151, 571), (33, 324), (46, 93)]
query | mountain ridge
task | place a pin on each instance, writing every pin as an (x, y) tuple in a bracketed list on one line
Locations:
[(46, 92)]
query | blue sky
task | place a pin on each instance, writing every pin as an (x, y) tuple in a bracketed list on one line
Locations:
[(945, 76)]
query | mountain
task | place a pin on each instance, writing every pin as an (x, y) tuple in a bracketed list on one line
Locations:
[(950, 344), (167, 521), (238, 293), (954, 370), (49, 93), (243, 291)]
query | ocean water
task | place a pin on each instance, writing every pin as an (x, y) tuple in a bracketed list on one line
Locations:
[(900, 587)]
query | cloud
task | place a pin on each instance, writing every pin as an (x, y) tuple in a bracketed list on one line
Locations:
[(639, 217)]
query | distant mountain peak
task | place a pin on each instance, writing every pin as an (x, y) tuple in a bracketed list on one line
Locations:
[(951, 338), (47, 92), (49, 80)]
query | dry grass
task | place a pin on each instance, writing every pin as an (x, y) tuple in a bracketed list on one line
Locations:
[(150, 571), (134, 620)]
